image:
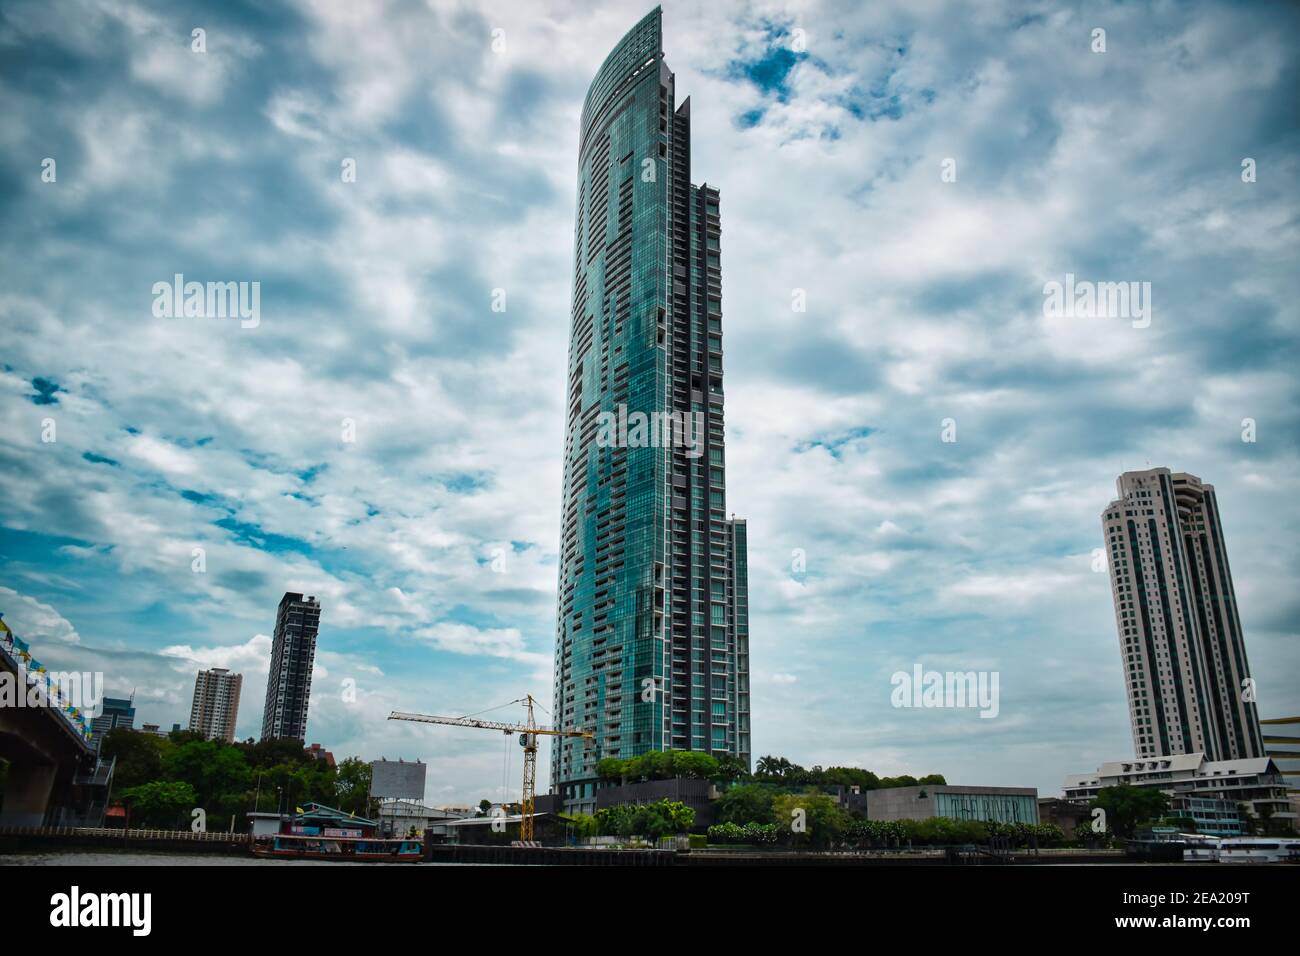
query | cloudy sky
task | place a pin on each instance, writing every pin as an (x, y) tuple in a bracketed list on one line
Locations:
[(827, 127)]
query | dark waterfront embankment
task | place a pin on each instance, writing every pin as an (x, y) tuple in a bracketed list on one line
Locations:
[(587, 856), (547, 856), (50, 844), (60, 839)]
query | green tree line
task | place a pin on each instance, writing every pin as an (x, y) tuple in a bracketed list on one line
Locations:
[(694, 765), (764, 814), (161, 780)]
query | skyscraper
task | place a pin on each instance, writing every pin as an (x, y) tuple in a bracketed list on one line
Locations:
[(1176, 613), (115, 712), (216, 704), (652, 628), (293, 651)]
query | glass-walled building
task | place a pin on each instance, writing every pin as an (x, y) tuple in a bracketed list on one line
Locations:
[(652, 617), (1000, 804)]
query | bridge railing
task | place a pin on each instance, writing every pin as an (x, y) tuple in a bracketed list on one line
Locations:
[(18, 656)]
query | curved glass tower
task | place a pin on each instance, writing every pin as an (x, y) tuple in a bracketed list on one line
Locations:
[(652, 627)]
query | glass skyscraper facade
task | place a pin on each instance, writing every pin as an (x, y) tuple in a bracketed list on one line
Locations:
[(652, 622)]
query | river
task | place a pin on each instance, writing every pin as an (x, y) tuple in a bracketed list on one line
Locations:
[(132, 858)]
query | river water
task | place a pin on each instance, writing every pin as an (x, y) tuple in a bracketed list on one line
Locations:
[(131, 858)]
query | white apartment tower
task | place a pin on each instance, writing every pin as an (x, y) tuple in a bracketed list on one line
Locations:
[(216, 704), (1176, 614)]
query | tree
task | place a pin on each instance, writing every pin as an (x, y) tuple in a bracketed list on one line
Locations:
[(679, 815), (694, 765), (891, 783), (615, 820), (139, 757), (352, 786), (217, 772), (771, 767), (211, 767), (183, 736), (809, 819), (300, 783), (1050, 834), (659, 765), (864, 833), (1127, 806), (160, 803), (650, 820), (275, 751), (581, 825), (731, 768), (611, 768), (746, 803), (652, 765), (659, 819), (849, 777)]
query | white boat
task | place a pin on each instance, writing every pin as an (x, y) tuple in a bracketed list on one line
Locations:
[(1199, 848), (1258, 850)]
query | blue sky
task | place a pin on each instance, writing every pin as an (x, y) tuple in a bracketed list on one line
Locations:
[(431, 539)]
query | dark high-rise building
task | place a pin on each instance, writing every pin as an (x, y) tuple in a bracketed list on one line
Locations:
[(1176, 613), (652, 620), (293, 651)]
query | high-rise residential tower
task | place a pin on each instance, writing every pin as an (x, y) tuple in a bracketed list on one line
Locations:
[(1176, 613), (216, 704), (652, 626), (293, 651)]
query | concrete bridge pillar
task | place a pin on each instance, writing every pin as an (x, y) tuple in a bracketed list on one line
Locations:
[(44, 752), (27, 794)]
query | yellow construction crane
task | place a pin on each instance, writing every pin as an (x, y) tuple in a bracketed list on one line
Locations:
[(528, 733)]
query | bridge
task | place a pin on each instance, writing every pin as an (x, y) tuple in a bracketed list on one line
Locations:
[(55, 775)]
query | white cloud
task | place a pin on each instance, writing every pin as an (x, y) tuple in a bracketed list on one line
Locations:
[(34, 621)]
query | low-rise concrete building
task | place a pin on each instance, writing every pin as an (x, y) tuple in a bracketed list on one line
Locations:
[(1209, 815), (1255, 782), (1074, 819), (504, 829), (400, 817)]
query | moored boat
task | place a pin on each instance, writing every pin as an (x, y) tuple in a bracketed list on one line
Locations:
[(297, 846), (1259, 850)]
